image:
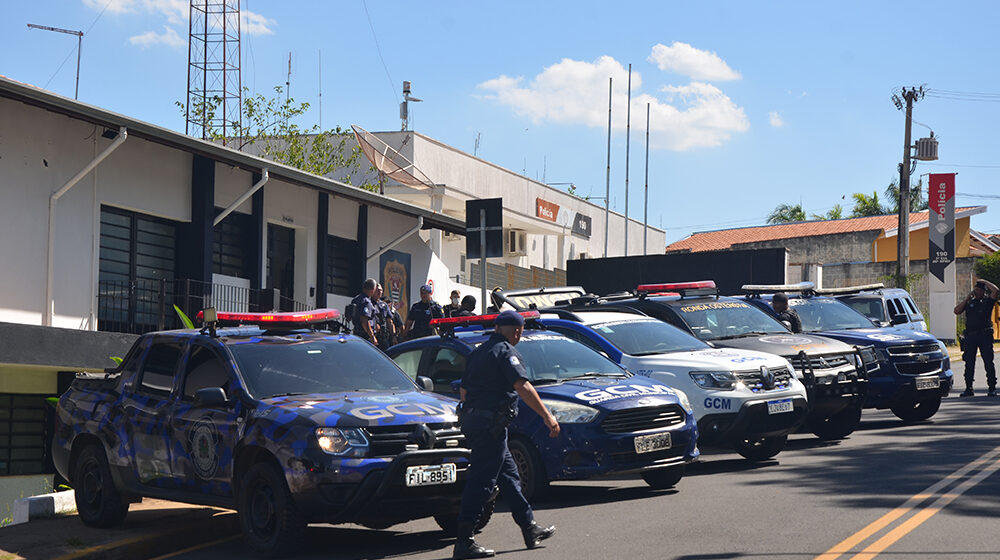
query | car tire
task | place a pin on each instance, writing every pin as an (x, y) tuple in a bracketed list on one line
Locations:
[(760, 449), (838, 426), (98, 501), (916, 411), (449, 523), (534, 481), (270, 522), (667, 477)]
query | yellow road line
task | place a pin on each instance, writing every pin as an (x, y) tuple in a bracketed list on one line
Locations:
[(197, 547), (874, 527)]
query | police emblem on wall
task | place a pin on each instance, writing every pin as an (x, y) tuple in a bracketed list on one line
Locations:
[(204, 439), (394, 268)]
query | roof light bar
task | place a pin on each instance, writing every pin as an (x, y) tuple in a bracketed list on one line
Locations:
[(296, 318), (769, 288), (701, 284), (478, 319), (851, 289)]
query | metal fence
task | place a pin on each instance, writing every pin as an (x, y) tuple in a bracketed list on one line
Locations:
[(141, 306)]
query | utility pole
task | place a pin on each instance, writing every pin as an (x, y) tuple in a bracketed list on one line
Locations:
[(79, 49), (903, 230)]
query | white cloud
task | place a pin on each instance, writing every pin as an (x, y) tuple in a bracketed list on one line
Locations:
[(576, 92), (169, 37), (775, 119), (176, 13), (255, 24), (697, 64)]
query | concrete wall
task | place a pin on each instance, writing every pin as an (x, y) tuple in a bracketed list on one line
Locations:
[(836, 248)]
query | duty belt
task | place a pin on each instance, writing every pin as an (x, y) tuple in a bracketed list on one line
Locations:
[(979, 331), (483, 412)]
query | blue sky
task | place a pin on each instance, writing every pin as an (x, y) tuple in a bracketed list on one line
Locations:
[(752, 103)]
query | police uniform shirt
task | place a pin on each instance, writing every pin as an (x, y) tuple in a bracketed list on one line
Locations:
[(422, 313), (792, 317), (382, 314), (364, 310), (977, 313), (490, 374)]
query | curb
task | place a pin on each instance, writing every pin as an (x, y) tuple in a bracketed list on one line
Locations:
[(45, 505)]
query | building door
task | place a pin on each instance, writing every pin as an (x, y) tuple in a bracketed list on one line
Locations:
[(281, 264)]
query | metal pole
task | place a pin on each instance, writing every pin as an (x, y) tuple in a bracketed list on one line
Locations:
[(628, 133), (79, 49), (482, 257), (903, 231), (645, 205), (607, 180)]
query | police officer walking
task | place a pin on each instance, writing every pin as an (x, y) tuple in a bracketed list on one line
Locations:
[(779, 302), (978, 309), (494, 378), (418, 320), (364, 312)]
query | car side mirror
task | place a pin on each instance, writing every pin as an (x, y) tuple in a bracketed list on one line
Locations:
[(788, 324), (425, 383), (899, 319), (210, 396)]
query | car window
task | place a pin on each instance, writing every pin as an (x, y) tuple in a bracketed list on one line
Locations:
[(827, 314), (409, 362), (869, 307), (893, 309), (157, 375), (579, 337), (716, 320), (899, 306), (446, 366), (205, 369), (645, 337), (913, 308), (551, 357)]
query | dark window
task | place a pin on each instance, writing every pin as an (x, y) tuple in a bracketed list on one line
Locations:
[(343, 266), (913, 308), (23, 434), (281, 263), (447, 366), (232, 246), (158, 372), (579, 337), (409, 362), (205, 369)]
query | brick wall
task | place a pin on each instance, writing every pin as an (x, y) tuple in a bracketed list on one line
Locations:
[(511, 277), (835, 248)]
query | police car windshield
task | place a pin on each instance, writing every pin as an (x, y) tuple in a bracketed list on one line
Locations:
[(718, 320), (869, 307), (645, 337), (553, 358), (827, 314), (282, 366)]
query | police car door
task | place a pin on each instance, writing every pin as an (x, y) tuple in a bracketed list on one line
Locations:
[(205, 434), (147, 414)]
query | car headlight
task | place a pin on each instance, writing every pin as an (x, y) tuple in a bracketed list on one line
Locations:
[(570, 413), (345, 442), (685, 402), (718, 380)]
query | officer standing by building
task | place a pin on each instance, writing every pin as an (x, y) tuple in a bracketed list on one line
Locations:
[(468, 307), (418, 320), (978, 309), (364, 312), (779, 302), (383, 318), (452, 309), (494, 378)]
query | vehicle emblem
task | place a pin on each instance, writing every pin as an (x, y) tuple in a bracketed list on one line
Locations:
[(767, 377), (923, 358), (644, 402), (423, 436)]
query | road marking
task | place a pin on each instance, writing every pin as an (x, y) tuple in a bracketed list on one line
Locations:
[(845, 546), (197, 547)]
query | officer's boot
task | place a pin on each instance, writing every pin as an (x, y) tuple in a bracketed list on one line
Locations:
[(535, 533), (467, 547)]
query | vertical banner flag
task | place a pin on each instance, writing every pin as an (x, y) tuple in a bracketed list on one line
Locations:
[(941, 254)]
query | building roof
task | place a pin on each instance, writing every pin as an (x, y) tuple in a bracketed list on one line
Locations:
[(726, 238), (49, 101)]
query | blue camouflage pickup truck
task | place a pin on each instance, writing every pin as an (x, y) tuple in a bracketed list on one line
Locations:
[(286, 424)]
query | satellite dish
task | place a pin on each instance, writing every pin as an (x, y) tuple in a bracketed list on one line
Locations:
[(389, 162)]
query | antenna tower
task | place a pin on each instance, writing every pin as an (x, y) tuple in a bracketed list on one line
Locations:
[(215, 92)]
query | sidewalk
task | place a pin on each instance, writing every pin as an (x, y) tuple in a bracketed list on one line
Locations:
[(152, 528)]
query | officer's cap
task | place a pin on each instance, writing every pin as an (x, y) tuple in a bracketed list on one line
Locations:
[(426, 288), (509, 318)]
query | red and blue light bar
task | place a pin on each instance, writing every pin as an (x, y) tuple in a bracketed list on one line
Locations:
[(311, 317), (677, 286), (452, 322)]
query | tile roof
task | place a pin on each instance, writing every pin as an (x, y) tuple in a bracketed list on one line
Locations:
[(726, 238)]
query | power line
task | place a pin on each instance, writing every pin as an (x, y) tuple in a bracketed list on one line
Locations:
[(956, 165), (71, 51), (392, 83)]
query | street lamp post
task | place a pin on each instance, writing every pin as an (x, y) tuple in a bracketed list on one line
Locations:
[(79, 49)]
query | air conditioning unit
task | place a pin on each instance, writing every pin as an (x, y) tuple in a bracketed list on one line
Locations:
[(515, 243)]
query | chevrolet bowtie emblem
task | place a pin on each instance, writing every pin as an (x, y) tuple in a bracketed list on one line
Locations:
[(767, 377)]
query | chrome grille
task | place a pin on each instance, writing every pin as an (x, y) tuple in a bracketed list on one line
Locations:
[(389, 441), (917, 368), (645, 418), (909, 349), (820, 363), (754, 380)]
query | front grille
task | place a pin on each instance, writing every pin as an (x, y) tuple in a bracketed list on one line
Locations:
[(820, 363), (912, 349), (754, 380), (917, 368), (642, 419), (389, 441)]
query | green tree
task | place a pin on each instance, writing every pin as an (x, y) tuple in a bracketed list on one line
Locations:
[(865, 206), (269, 129), (917, 200), (988, 268), (785, 213), (835, 213)]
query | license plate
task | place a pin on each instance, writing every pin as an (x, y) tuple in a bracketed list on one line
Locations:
[(428, 475), (777, 407), (927, 383), (652, 442)]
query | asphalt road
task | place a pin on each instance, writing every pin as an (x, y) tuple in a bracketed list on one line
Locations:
[(891, 490)]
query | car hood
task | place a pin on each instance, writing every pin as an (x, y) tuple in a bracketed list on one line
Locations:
[(787, 344), (879, 337), (709, 359), (611, 393), (357, 409)]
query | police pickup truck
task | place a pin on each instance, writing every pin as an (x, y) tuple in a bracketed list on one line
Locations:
[(834, 373), (611, 421), (285, 424), (746, 400), (913, 370)]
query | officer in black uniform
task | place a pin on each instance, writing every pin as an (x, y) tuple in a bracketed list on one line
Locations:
[(780, 304), (383, 320), (418, 320), (468, 307), (494, 378), (978, 309), (364, 312)]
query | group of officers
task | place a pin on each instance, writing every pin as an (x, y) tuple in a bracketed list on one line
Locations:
[(374, 317)]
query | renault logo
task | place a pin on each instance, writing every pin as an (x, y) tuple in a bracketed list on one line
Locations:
[(423, 436), (767, 377)]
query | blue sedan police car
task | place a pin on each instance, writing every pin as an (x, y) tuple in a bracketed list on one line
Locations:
[(612, 421)]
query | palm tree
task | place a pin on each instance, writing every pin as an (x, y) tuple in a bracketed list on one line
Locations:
[(785, 213), (917, 200), (865, 206), (835, 213)]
